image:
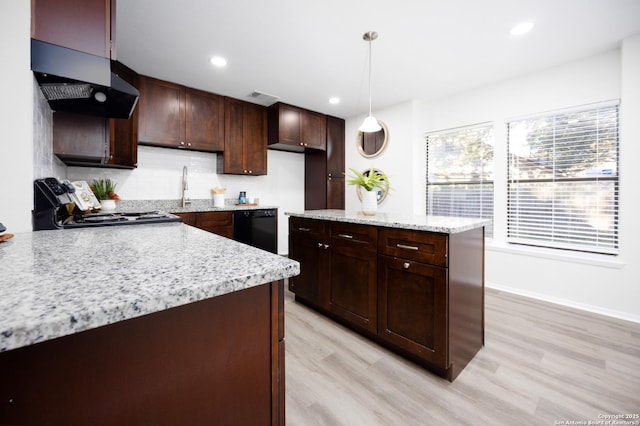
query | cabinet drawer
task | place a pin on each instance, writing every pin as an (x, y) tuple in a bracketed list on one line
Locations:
[(425, 247), (209, 219), (361, 235), (306, 228)]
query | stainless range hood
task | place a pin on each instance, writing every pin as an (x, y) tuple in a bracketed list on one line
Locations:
[(81, 83)]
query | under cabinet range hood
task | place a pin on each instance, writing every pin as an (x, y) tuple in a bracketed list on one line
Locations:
[(81, 83)]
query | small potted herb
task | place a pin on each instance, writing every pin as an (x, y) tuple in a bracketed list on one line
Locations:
[(105, 192)]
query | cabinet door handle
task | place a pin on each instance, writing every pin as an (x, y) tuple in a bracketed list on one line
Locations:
[(326, 246), (406, 265), (304, 229), (402, 246), (345, 236), (319, 245)]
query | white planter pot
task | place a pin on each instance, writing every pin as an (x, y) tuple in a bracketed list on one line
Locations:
[(369, 202), (108, 205)]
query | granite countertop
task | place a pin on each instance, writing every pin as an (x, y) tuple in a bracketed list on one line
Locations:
[(175, 206), (440, 224), (60, 282)]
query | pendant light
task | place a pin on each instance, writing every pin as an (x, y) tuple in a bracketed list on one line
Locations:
[(370, 124)]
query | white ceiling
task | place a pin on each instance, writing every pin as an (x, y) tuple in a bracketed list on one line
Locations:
[(306, 51)]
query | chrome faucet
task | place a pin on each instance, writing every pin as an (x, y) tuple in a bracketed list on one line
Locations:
[(185, 188)]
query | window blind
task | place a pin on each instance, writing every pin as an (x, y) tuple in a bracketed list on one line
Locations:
[(460, 173), (563, 180)]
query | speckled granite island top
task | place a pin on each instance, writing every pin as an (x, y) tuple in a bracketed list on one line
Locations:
[(55, 283), (440, 224)]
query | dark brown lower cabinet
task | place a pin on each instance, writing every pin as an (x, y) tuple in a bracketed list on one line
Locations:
[(418, 293), (412, 307), (220, 222), (306, 245), (352, 274), (216, 361)]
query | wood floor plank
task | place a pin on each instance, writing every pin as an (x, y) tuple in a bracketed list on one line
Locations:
[(541, 363)]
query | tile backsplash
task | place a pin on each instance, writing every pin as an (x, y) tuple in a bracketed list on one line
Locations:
[(45, 164), (159, 177)]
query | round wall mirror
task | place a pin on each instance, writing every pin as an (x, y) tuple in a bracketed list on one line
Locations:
[(381, 193), (372, 144)]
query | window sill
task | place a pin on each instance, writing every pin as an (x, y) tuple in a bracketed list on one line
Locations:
[(607, 261)]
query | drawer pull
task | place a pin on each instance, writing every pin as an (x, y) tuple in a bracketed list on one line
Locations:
[(326, 246), (345, 236), (402, 246), (406, 265), (304, 229), (319, 245)]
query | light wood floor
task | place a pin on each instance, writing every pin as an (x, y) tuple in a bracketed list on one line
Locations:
[(541, 363)]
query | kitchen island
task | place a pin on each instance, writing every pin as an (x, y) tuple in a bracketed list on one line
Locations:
[(413, 283), (146, 324)]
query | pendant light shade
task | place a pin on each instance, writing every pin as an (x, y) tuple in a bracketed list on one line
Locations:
[(370, 123)]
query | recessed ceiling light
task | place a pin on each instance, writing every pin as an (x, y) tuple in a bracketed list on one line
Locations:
[(334, 100), (218, 61), (521, 28)]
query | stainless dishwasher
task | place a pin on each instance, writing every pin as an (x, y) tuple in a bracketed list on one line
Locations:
[(257, 228)]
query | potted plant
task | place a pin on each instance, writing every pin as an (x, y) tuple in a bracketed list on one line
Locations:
[(105, 192), (369, 181)]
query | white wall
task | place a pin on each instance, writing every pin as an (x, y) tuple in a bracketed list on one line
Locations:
[(393, 160), (159, 177), (597, 283), (16, 117)]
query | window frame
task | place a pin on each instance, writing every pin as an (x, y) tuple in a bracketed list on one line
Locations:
[(566, 243), (482, 181)]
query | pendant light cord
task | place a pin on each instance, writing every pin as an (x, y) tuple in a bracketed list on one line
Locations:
[(369, 76)]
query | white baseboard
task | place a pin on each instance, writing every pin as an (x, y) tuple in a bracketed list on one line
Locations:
[(568, 303)]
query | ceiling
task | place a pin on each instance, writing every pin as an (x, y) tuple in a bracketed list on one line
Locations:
[(307, 51)]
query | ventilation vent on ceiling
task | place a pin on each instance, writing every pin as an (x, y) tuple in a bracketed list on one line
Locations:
[(263, 98)]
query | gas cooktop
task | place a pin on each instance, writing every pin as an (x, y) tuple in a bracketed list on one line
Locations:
[(120, 218)]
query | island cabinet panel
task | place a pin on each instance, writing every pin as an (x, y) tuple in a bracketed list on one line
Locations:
[(416, 292), (422, 247), (176, 116), (352, 276), (412, 307), (216, 361), (306, 245)]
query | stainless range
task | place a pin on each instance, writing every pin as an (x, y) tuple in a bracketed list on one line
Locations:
[(54, 209)]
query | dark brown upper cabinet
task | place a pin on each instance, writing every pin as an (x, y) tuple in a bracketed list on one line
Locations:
[(324, 185), (175, 116), (83, 25), (296, 129), (245, 140)]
